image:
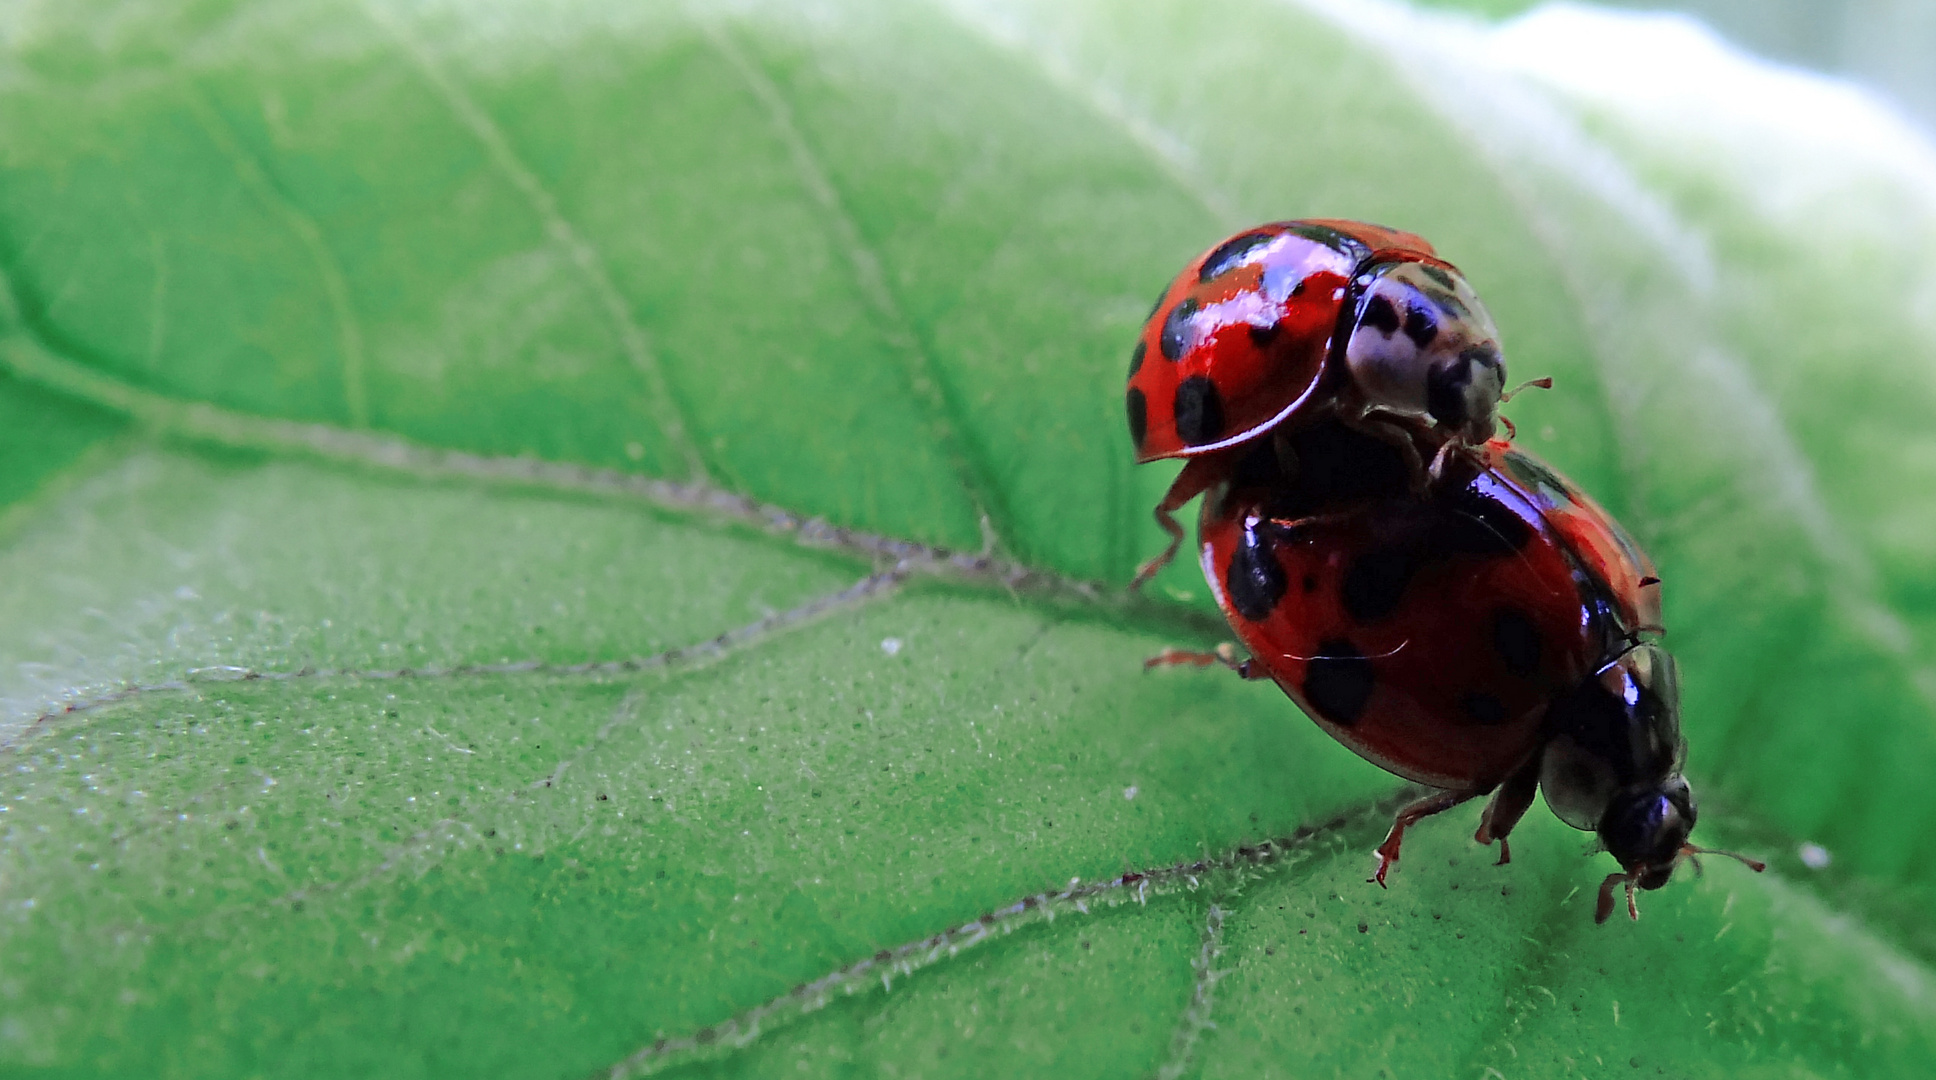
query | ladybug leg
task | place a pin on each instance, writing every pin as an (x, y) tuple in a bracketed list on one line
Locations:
[(1287, 528), (1225, 654), (1387, 852), (1457, 450), (1392, 430), (1437, 468), (1604, 907), (1506, 807), (1197, 476)]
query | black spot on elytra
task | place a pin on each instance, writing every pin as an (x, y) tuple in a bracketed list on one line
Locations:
[(1338, 681), (1199, 411), (1375, 584), (1517, 640), (1262, 336), (1138, 416), (1310, 583), (1445, 386), (1420, 326), (1255, 580), (1230, 253), (1175, 327), (1331, 238), (1380, 315), (1534, 474), (1136, 358), (1437, 274), (1482, 709)]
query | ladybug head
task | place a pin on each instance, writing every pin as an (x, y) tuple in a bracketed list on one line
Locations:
[(1645, 829), (1612, 765), (1423, 344)]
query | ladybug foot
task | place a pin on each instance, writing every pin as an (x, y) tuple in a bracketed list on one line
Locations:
[(1456, 463), (1508, 804), (1149, 569), (1387, 852), (1435, 473), (1225, 654), (1386, 860)]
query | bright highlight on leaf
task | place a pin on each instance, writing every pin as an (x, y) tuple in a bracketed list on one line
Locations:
[(538, 542)]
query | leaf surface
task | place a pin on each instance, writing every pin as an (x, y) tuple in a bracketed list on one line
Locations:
[(490, 576)]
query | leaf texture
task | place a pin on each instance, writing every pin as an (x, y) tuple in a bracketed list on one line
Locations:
[(548, 542)]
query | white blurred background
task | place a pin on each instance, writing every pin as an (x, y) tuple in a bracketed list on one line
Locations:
[(1886, 45)]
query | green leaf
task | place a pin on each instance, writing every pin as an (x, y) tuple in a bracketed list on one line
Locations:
[(548, 541)]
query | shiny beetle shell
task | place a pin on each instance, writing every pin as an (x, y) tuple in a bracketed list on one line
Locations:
[(1430, 635), (1303, 315)]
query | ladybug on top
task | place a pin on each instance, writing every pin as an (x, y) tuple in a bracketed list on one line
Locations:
[(1301, 318)]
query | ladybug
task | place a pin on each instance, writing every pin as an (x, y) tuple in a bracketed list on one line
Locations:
[(1299, 317), (1494, 635)]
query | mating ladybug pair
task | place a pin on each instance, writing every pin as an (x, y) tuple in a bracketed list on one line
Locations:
[(1440, 601)]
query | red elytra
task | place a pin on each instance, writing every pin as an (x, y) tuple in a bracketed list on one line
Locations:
[(1240, 339), (1301, 318), (1489, 636)]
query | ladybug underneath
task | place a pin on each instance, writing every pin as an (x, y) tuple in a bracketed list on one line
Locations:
[(1299, 318), (1491, 635)]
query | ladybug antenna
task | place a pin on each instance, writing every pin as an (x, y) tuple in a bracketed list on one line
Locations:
[(1604, 908), (1544, 383), (1688, 851), (1512, 429)]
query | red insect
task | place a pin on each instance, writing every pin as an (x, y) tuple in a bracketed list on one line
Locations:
[(1299, 318), (1491, 635)]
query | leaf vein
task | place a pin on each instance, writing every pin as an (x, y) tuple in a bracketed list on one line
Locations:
[(25, 357), (701, 652), (672, 417), (1195, 1020), (861, 976), (925, 380), (255, 178), (1172, 154)]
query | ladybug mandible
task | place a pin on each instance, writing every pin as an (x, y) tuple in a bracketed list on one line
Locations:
[(1494, 634), (1300, 317)]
